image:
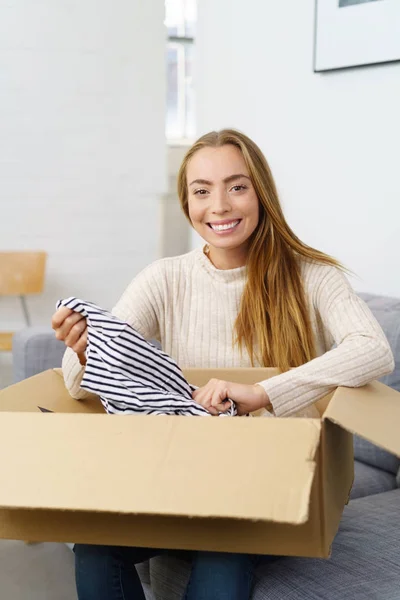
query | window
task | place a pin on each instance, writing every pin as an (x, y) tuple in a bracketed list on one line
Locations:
[(180, 22)]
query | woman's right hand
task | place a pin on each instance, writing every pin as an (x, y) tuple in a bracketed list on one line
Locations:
[(70, 327)]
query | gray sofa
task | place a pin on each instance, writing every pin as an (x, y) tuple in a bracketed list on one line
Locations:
[(365, 561)]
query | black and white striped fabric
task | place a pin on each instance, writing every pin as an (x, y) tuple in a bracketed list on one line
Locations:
[(130, 374)]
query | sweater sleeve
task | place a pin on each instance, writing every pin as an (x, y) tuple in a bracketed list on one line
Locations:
[(362, 352), (140, 306)]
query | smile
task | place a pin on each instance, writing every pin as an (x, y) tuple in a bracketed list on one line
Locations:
[(227, 226)]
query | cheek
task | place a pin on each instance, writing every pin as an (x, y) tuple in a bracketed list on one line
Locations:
[(255, 210), (195, 212), (191, 211)]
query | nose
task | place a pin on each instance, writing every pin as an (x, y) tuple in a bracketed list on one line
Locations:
[(221, 203)]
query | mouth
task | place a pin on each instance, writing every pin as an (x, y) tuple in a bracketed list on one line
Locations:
[(224, 226)]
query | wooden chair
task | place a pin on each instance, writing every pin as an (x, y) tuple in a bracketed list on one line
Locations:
[(21, 274)]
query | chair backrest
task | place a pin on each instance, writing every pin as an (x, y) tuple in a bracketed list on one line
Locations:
[(22, 273)]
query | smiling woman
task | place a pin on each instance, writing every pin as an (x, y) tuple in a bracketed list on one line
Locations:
[(223, 208), (254, 296)]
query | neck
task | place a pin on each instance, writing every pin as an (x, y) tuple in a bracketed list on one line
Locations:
[(226, 259)]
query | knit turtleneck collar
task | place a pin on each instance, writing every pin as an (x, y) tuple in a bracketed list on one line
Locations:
[(223, 275)]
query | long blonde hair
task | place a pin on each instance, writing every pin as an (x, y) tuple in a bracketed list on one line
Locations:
[(273, 322)]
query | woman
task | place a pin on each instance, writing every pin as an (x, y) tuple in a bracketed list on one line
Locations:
[(254, 296)]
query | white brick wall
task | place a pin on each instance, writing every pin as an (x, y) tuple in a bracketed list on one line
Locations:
[(82, 147)]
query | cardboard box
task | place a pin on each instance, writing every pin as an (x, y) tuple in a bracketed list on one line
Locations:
[(255, 485)]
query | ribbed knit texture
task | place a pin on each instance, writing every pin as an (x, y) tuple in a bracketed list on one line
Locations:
[(191, 307)]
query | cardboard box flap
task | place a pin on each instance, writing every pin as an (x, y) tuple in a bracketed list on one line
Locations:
[(47, 391), (241, 468), (371, 411)]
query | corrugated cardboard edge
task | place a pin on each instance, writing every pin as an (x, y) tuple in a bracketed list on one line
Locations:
[(199, 377), (35, 444), (371, 411), (218, 534), (45, 390), (336, 478)]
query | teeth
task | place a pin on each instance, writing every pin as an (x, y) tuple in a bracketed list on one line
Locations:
[(224, 227)]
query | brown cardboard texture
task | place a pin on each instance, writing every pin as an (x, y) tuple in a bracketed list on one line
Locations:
[(46, 391), (262, 485), (372, 411)]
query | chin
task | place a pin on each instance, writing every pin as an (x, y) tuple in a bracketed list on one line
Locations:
[(225, 245)]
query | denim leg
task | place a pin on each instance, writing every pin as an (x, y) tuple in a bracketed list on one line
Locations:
[(108, 572), (220, 576)]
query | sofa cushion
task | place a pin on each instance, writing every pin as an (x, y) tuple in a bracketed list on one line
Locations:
[(370, 480), (387, 312), (35, 349), (365, 561), (169, 575), (143, 570), (374, 456)]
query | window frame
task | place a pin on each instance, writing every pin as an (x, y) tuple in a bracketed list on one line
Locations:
[(180, 43)]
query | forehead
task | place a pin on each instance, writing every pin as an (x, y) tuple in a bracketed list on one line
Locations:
[(216, 163)]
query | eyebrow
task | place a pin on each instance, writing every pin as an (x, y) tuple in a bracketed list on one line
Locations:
[(226, 180)]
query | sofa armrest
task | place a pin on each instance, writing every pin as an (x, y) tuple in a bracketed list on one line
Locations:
[(35, 349)]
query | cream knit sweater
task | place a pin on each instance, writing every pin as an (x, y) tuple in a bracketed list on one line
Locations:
[(191, 307)]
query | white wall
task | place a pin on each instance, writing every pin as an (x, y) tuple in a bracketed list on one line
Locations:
[(332, 139), (175, 230), (82, 143)]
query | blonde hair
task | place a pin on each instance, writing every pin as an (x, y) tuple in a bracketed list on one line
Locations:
[(273, 322)]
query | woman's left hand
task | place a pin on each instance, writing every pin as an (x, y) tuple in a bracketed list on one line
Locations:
[(247, 398)]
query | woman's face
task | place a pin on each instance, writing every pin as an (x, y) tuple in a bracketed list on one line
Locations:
[(223, 205)]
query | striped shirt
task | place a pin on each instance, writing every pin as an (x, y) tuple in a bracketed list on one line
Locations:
[(130, 374)]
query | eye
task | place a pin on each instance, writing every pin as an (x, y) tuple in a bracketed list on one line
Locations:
[(239, 187), (200, 192)]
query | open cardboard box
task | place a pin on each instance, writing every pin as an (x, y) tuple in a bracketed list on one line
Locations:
[(254, 485)]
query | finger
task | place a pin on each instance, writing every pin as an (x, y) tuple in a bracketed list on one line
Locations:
[(219, 395), (212, 410), (204, 399), (75, 333), (201, 395), (59, 316), (220, 399), (81, 345), (223, 407), (65, 328), (210, 385), (207, 390), (70, 321), (206, 403)]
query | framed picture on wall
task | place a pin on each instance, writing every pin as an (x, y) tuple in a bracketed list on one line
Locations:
[(352, 33)]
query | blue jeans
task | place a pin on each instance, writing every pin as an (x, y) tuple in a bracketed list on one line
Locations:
[(108, 573)]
